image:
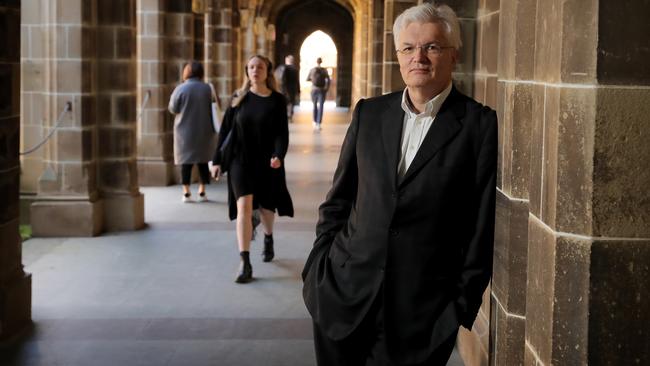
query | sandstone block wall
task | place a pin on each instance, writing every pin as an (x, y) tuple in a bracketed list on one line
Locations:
[(571, 244)]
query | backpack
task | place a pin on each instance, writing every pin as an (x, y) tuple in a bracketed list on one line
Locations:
[(318, 77)]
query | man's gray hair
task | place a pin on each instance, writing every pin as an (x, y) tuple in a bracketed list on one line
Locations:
[(430, 13)]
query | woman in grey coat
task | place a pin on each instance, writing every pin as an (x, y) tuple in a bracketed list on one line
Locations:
[(194, 135)]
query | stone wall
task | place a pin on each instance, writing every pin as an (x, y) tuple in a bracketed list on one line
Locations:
[(571, 243), (88, 180), (116, 117), (375, 47), (15, 284), (154, 133)]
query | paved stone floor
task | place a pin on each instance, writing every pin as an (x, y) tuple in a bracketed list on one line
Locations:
[(165, 295)]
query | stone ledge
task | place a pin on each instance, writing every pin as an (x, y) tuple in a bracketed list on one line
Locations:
[(156, 173), (124, 212), (66, 218)]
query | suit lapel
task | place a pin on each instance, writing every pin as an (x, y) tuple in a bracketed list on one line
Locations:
[(392, 122), (445, 126)]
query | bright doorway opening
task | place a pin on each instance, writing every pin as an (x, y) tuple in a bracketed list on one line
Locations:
[(317, 44)]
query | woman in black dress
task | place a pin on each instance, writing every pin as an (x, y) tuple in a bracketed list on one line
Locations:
[(257, 118)]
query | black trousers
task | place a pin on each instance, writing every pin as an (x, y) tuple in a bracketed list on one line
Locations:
[(186, 173), (366, 346)]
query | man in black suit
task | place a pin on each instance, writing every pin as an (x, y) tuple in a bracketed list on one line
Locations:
[(404, 240)]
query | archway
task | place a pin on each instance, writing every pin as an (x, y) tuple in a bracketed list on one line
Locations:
[(318, 44), (297, 21)]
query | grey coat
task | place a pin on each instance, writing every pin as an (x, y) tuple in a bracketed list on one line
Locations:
[(194, 137)]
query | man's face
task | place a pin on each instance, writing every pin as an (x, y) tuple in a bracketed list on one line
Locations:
[(421, 69)]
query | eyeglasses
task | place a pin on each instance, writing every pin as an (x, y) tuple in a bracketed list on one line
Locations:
[(430, 49)]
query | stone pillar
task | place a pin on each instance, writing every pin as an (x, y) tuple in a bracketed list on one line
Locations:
[(57, 69), (219, 49), (247, 44), (237, 56), (479, 22), (479, 29), (89, 182), (116, 117), (178, 49), (198, 34), (261, 36), (360, 57), (154, 133), (589, 222), (15, 284), (375, 47), (392, 79)]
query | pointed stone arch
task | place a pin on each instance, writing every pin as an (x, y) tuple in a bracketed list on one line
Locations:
[(296, 20)]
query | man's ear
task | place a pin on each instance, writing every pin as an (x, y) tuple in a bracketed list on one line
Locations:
[(455, 56)]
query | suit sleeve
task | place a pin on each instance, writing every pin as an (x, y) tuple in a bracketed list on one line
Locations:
[(477, 266), (335, 211)]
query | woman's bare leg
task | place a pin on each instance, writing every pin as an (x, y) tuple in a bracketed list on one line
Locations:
[(244, 222), (268, 218)]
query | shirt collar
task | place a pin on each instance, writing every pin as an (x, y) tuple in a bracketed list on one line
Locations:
[(431, 108)]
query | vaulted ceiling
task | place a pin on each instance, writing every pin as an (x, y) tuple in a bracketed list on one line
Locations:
[(270, 9)]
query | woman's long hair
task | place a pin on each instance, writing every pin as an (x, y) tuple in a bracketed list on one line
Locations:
[(246, 85)]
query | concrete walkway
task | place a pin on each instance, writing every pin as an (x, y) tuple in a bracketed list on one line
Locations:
[(166, 295)]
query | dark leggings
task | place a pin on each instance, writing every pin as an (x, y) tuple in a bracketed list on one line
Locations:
[(186, 173)]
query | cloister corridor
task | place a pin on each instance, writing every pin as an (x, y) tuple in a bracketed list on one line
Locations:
[(119, 272)]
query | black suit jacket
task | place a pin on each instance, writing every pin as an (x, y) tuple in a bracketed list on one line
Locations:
[(426, 238)]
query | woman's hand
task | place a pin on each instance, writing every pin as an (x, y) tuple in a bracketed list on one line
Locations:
[(216, 172), (275, 163)]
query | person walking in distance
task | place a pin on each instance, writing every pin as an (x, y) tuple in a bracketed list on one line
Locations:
[(320, 81), (404, 240), (194, 134), (287, 75), (255, 129)]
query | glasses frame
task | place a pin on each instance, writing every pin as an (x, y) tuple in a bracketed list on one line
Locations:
[(431, 49)]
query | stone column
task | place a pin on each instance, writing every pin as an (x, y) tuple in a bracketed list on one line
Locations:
[(360, 57), (89, 182), (392, 79), (479, 22), (116, 117), (154, 133), (261, 36), (198, 36), (589, 222), (219, 49), (210, 49), (236, 48), (375, 47), (178, 49), (57, 69), (15, 284)]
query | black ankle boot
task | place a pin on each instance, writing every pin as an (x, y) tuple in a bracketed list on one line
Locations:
[(245, 273), (268, 253)]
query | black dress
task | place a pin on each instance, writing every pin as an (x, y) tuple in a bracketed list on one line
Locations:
[(261, 132)]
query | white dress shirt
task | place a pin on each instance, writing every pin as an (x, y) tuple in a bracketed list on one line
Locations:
[(416, 126)]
